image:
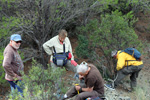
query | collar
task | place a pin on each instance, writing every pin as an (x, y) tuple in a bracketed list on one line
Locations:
[(59, 41)]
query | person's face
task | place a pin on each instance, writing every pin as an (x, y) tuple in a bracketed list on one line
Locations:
[(16, 44), (61, 39), (83, 74), (115, 56)]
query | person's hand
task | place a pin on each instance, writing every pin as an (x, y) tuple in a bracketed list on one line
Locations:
[(115, 70), (19, 78), (77, 87), (73, 63)]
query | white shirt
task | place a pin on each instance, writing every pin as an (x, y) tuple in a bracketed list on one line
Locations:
[(48, 46)]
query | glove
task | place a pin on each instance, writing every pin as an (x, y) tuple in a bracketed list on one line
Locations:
[(69, 56), (73, 63)]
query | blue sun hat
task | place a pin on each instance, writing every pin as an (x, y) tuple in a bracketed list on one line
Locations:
[(16, 37)]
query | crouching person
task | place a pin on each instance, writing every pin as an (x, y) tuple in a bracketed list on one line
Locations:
[(94, 84)]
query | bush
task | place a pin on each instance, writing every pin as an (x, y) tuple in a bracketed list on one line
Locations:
[(111, 31), (40, 83), (82, 48), (2, 72)]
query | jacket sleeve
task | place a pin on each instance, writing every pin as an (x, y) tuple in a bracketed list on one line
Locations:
[(121, 61), (48, 47), (70, 49), (8, 57)]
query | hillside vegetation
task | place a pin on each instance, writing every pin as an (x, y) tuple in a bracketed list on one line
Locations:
[(97, 26)]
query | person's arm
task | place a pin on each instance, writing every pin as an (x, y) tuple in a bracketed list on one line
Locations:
[(70, 49), (80, 89), (8, 57), (121, 61), (48, 46), (88, 89), (90, 85)]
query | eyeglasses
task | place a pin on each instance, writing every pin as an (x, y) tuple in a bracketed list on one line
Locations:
[(18, 41)]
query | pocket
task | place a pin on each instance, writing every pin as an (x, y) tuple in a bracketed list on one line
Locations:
[(60, 59), (126, 70), (60, 62)]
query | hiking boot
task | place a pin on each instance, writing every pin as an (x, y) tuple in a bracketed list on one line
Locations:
[(109, 86), (63, 97)]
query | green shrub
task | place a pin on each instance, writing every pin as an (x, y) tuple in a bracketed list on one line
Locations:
[(2, 72), (111, 31), (82, 48), (40, 83)]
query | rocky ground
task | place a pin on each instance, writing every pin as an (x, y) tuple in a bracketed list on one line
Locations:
[(122, 91)]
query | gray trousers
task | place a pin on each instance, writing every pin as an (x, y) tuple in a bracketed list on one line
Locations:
[(132, 70), (83, 95), (69, 67)]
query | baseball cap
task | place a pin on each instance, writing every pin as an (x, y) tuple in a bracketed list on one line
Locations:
[(16, 37), (113, 53)]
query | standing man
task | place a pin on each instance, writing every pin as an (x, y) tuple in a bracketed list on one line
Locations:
[(126, 64), (94, 84), (57, 42), (12, 63), (60, 44)]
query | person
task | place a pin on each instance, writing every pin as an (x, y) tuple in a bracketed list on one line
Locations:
[(56, 45), (93, 87), (13, 64), (57, 42), (126, 65)]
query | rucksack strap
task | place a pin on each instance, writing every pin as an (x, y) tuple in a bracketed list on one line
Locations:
[(121, 51), (63, 49), (129, 60), (54, 49)]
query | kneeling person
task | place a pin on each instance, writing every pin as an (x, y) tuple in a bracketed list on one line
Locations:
[(94, 84)]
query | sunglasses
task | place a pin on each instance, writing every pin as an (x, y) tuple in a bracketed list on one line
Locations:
[(18, 41)]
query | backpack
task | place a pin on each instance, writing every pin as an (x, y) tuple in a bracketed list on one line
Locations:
[(60, 59), (133, 52)]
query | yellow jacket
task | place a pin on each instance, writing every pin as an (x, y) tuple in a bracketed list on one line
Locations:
[(122, 60)]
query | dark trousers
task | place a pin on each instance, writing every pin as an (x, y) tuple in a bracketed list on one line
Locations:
[(132, 70), (83, 95), (13, 85)]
